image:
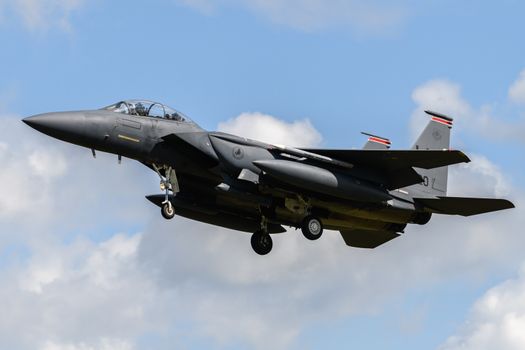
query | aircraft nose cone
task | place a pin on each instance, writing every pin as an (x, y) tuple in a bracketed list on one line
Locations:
[(67, 126), (38, 122), (29, 121)]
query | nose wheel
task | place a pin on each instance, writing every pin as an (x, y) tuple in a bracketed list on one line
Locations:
[(167, 210), (312, 228)]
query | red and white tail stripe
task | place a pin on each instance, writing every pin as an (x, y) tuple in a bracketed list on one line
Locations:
[(442, 121), (440, 118), (380, 140)]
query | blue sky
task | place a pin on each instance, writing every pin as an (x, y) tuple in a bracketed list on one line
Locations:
[(329, 69)]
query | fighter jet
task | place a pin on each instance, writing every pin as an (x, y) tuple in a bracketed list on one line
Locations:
[(369, 195)]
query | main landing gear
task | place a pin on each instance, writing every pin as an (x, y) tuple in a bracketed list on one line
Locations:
[(312, 228), (261, 240), (262, 243), (168, 183)]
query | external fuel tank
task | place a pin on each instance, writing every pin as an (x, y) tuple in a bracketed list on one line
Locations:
[(322, 180)]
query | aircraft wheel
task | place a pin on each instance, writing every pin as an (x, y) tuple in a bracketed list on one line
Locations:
[(261, 242), (167, 211), (312, 228)]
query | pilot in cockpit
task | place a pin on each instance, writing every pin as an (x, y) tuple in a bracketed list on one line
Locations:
[(140, 109), (175, 116)]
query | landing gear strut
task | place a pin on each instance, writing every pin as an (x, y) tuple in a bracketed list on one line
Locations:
[(168, 182), (312, 227)]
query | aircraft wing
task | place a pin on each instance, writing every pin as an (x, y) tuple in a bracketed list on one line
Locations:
[(367, 238), (463, 206), (395, 159), (395, 167)]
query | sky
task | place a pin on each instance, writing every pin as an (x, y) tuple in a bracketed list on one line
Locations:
[(86, 262)]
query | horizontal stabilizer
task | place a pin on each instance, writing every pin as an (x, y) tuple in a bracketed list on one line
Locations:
[(367, 238), (463, 206)]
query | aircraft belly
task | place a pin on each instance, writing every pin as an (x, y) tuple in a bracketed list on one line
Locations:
[(238, 206), (383, 215), (233, 222), (215, 215), (349, 222)]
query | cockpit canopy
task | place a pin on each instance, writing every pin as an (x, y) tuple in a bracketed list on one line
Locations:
[(147, 109)]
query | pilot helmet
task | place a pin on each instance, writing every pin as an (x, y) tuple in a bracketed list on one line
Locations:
[(140, 109)]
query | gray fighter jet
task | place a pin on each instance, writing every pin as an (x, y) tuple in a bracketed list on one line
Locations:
[(368, 195)]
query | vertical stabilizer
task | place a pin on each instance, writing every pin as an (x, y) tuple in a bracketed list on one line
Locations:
[(435, 136), (376, 142)]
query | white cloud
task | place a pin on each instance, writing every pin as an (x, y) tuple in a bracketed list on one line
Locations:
[(43, 14), (49, 187), (82, 295), (444, 96), (440, 96), (23, 178), (490, 181), (517, 89), (103, 344), (263, 127), (496, 321), (47, 164), (363, 16)]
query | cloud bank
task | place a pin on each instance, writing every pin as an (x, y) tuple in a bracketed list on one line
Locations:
[(517, 89), (97, 267), (445, 97), (266, 128), (371, 17), (41, 14), (496, 321)]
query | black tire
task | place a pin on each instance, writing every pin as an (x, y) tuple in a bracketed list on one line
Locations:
[(312, 228), (261, 243), (167, 211)]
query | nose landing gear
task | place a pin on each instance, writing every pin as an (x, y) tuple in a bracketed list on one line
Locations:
[(168, 182)]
